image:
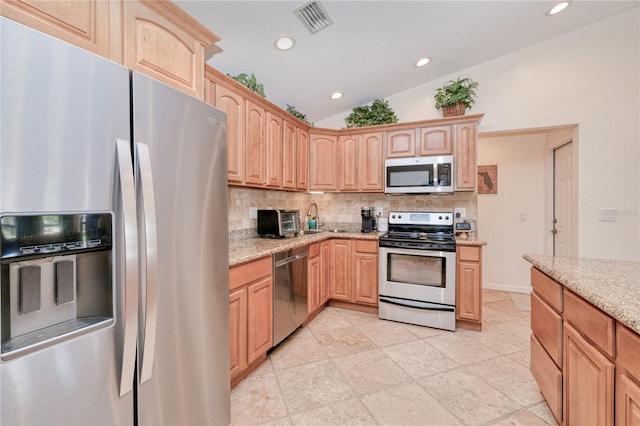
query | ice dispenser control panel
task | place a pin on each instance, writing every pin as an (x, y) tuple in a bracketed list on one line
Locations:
[(56, 278)]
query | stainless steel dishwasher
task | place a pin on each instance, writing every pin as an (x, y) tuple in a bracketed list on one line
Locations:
[(289, 292)]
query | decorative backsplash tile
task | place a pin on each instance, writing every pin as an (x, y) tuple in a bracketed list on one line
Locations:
[(335, 210)]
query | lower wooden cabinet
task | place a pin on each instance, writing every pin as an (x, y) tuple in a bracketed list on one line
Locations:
[(588, 381), (469, 287), (353, 275), (316, 294), (627, 377), (251, 314)]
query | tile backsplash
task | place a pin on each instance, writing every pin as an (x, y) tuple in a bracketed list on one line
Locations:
[(336, 209)]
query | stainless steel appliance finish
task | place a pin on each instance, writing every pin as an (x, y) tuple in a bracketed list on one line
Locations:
[(417, 269), (68, 146), (289, 292), (278, 223), (419, 175)]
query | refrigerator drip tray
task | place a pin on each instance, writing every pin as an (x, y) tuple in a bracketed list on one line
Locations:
[(49, 336)]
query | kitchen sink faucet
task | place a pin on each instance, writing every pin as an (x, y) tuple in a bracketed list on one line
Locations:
[(313, 205)]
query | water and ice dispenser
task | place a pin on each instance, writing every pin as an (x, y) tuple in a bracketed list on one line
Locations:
[(56, 279)]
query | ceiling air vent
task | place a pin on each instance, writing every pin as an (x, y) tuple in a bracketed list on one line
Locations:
[(313, 16)]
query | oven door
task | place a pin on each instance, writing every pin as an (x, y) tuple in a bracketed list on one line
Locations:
[(419, 275)]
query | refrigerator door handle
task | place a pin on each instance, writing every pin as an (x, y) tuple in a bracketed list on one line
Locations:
[(145, 185), (130, 322)]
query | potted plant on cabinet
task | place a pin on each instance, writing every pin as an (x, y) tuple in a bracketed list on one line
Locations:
[(379, 112), (456, 96)]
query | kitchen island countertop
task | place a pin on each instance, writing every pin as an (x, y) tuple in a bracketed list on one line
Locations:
[(249, 249), (611, 285)]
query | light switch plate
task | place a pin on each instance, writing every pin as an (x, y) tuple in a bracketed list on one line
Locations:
[(460, 210), (253, 212)]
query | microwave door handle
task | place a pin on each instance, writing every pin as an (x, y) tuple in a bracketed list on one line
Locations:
[(145, 185), (130, 317)]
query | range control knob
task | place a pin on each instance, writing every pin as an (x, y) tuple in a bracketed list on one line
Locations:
[(446, 217), (440, 217), (399, 216), (393, 216)]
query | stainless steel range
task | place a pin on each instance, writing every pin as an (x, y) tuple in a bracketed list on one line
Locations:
[(417, 269)]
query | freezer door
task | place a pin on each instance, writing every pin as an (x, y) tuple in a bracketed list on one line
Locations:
[(62, 110), (186, 140)]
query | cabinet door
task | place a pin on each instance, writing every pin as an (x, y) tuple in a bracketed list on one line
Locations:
[(326, 266), (313, 283), (370, 162), (365, 277), (156, 46), (238, 331), (627, 401), (468, 291), (465, 157), (233, 105), (275, 134), (588, 382), (401, 143), (255, 147), (341, 279), (83, 23), (348, 157), (260, 318), (289, 156), (323, 163), (435, 140), (303, 160)]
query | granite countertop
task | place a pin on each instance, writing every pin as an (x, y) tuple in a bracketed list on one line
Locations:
[(611, 285), (249, 249), (460, 242)]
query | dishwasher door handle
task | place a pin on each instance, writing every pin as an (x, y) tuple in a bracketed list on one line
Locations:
[(290, 259)]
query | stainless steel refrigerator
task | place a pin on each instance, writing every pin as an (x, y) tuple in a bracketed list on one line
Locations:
[(113, 218)]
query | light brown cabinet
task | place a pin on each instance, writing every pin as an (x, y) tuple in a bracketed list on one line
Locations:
[(234, 105), (250, 315), (349, 167), (302, 165), (435, 140), (469, 287), (255, 145), (289, 156), (401, 143), (353, 271), (365, 272), (315, 297), (371, 162), (156, 38), (588, 382), (323, 162), (92, 25), (273, 157), (464, 153), (627, 392)]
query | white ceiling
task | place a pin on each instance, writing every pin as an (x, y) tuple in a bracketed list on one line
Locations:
[(370, 50)]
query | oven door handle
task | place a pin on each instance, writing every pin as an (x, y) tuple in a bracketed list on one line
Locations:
[(426, 307)]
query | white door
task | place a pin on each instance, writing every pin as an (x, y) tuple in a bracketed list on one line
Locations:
[(563, 228)]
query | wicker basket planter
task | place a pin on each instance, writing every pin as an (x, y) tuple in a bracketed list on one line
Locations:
[(453, 110)]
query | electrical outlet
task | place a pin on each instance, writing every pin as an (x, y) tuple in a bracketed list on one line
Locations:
[(460, 212), (253, 212), (608, 215), (379, 211)]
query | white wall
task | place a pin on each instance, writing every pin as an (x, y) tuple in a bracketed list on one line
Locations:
[(588, 77), (521, 191)]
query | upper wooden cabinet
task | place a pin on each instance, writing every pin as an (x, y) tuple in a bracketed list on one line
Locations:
[(435, 140), (233, 104), (289, 156), (323, 162), (361, 162), (275, 133), (302, 165), (256, 145), (157, 38), (464, 152), (92, 25), (164, 42), (401, 143)]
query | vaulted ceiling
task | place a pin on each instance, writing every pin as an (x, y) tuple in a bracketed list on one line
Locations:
[(370, 49)]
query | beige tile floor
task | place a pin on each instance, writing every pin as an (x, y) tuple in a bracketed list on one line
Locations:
[(349, 368)]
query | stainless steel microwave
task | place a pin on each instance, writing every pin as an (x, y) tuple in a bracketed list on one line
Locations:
[(419, 175)]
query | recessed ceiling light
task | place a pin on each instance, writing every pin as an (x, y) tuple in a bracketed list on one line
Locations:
[(422, 62), (558, 8), (336, 95), (284, 42)]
